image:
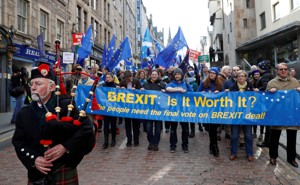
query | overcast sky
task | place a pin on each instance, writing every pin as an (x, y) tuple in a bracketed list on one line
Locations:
[(191, 15)]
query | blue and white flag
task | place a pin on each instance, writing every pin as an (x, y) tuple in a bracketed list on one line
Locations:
[(159, 47), (147, 43), (165, 57), (85, 47)]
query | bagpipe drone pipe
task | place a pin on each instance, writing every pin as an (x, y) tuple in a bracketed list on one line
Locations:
[(65, 122)]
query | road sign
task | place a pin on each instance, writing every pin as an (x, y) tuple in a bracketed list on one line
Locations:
[(203, 58)]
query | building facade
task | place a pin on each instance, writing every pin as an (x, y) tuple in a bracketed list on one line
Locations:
[(21, 21)]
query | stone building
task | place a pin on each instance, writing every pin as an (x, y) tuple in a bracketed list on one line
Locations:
[(21, 21)]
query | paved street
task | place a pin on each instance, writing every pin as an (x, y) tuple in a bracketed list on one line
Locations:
[(137, 165)]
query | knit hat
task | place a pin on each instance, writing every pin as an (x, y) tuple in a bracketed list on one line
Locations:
[(178, 70), (255, 71), (264, 65), (42, 71), (214, 69)]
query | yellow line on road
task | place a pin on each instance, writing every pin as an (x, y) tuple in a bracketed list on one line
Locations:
[(1, 140)]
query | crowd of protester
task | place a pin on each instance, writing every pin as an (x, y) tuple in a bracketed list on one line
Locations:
[(215, 79)]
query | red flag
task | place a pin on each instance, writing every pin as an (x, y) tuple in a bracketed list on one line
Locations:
[(95, 105)]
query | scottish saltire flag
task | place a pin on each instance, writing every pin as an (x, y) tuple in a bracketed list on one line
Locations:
[(159, 47), (85, 47), (41, 47), (147, 43), (166, 56), (124, 52)]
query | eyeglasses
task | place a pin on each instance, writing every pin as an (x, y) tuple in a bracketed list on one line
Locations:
[(283, 69), (213, 73), (241, 76)]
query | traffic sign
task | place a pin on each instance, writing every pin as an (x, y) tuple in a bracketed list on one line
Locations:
[(203, 58)]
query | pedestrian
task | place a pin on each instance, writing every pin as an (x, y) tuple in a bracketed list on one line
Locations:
[(131, 125), (153, 137), (190, 79), (265, 77), (179, 85), (254, 81), (241, 85), (17, 90), (212, 84), (283, 82), (212, 54), (36, 124), (110, 120)]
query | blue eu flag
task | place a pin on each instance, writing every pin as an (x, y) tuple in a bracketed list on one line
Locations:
[(165, 57), (85, 48)]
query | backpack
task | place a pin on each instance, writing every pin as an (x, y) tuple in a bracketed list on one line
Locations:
[(15, 90)]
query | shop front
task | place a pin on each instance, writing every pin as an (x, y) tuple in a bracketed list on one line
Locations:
[(281, 45), (6, 53)]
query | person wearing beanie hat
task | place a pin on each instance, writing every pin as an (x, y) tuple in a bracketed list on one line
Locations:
[(44, 144), (212, 84), (179, 85), (216, 70)]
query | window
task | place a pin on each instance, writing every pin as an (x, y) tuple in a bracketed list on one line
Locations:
[(94, 4), (230, 27), (96, 32), (105, 10), (0, 11), (108, 12), (262, 21), (105, 36), (78, 16), (85, 20), (121, 31), (245, 23), (60, 31), (295, 4), (247, 3), (115, 26), (228, 38), (44, 24), (114, 2), (100, 33), (22, 15), (276, 11)]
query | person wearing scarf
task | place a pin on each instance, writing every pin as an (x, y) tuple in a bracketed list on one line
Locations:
[(241, 85)]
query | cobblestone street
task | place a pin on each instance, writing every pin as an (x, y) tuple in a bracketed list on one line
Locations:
[(137, 165)]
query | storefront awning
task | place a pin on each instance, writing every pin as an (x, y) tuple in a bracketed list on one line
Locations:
[(285, 33)]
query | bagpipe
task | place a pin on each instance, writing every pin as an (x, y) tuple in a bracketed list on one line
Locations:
[(59, 127)]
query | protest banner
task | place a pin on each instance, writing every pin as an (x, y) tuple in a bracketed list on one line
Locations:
[(254, 108)]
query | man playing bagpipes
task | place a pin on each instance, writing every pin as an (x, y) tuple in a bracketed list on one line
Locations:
[(49, 147)]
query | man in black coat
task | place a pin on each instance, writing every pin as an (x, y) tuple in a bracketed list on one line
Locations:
[(50, 149)]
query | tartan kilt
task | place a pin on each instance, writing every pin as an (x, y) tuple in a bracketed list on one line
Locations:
[(63, 176)]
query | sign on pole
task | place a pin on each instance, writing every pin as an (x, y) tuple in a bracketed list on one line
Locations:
[(68, 57)]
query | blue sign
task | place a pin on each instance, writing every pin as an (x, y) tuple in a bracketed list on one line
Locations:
[(252, 108), (31, 53)]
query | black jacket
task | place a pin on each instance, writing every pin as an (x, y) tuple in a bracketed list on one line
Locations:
[(30, 122), (157, 85)]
